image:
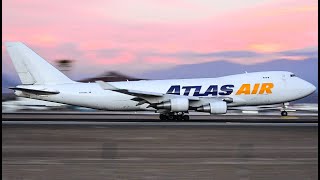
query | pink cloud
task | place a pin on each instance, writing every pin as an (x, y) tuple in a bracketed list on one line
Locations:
[(159, 26), (162, 60), (122, 58)]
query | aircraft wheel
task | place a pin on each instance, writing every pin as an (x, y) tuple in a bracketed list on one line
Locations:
[(284, 113), (185, 117), (171, 117), (163, 117), (179, 118)]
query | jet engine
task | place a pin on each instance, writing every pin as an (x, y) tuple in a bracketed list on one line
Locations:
[(175, 105), (218, 107)]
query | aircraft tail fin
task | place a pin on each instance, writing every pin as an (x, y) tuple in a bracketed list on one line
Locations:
[(33, 69)]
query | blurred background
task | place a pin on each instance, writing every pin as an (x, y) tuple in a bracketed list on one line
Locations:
[(133, 40)]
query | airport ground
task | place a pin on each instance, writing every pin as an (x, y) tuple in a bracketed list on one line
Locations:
[(268, 117), (150, 149)]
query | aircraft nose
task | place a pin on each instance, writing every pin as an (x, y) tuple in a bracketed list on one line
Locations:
[(310, 88), (313, 88)]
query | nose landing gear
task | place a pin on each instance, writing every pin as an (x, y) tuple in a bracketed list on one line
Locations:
[(283, 109), (284, 113)]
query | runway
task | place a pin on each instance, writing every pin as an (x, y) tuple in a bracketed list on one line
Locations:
[(152, 117), (48, 149)]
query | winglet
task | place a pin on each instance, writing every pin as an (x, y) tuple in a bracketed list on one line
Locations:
[(106, 86)]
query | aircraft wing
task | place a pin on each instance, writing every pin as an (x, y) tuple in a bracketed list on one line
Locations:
[(144, 96), (108, 86), (159, 100)]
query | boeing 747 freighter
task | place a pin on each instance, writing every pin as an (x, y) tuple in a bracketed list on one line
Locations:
[(172, 98)]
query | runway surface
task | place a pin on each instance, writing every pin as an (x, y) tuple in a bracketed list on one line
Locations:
[(140, 117), (161, 150)]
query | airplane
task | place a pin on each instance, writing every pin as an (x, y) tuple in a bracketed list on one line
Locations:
[(301, 107), (172, 98), (29, 104)]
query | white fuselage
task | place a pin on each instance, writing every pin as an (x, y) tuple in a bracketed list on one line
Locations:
[(285, 88)]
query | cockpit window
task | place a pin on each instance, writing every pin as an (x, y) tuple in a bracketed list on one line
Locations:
[(292, 75)]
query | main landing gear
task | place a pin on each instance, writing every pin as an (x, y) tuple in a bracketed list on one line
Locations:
[(174, 117)]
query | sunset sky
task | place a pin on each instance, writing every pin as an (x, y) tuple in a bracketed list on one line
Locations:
[(142, 35)]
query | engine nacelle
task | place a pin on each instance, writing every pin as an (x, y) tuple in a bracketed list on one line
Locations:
[(218, 107), (175, 105)]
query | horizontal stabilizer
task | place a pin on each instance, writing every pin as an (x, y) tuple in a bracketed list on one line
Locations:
[(36, 91)]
